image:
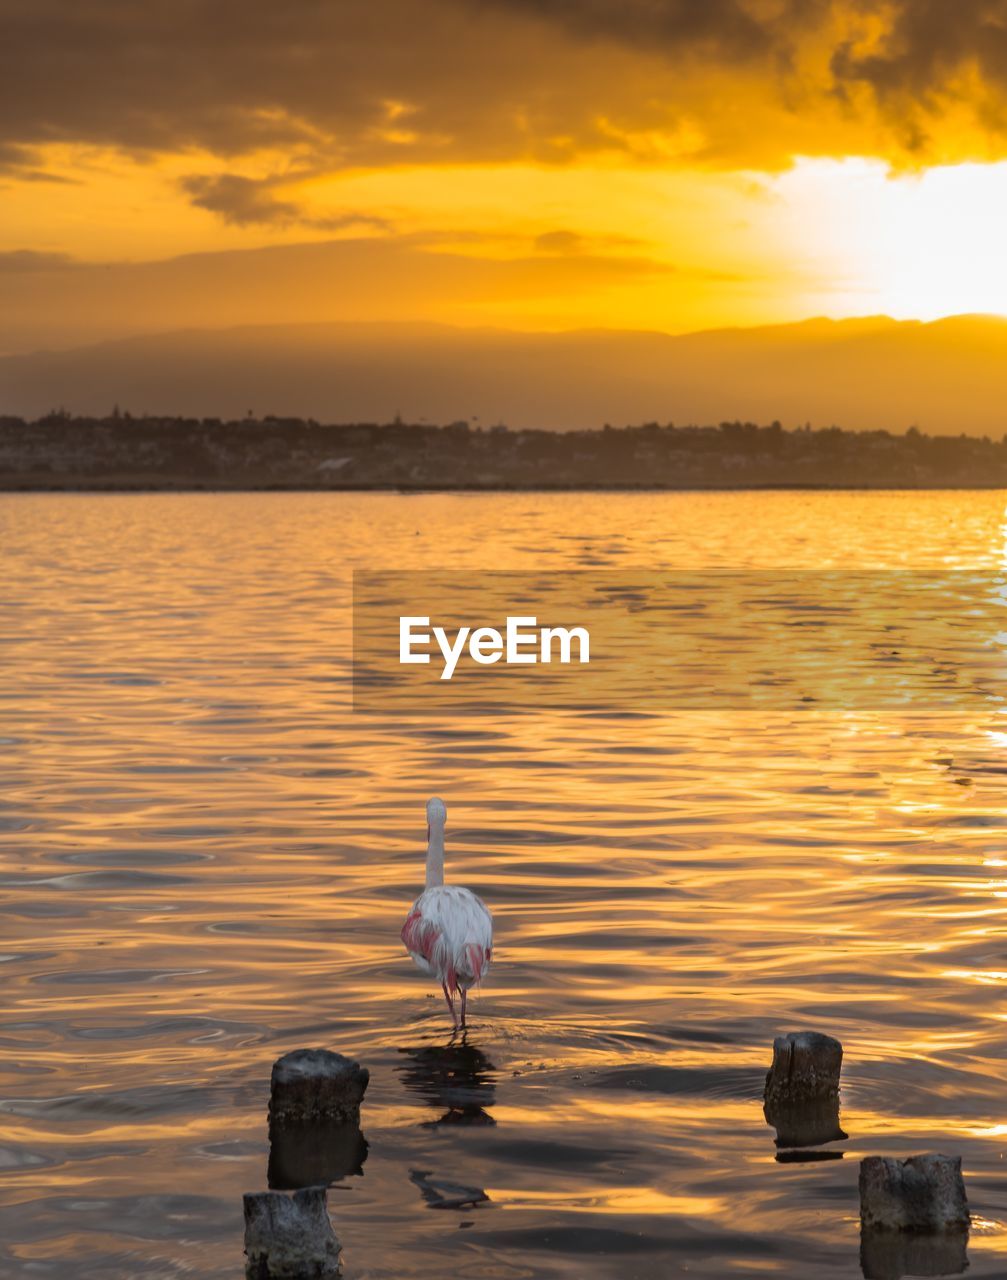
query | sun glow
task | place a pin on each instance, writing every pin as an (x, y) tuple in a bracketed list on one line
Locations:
[(915, 246), (523, 245)]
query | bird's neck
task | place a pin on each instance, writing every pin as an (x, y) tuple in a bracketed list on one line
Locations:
[(435, 859)]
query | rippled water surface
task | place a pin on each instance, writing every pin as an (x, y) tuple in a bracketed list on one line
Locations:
[(206, 857)]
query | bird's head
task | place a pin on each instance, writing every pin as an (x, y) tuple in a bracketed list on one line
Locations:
[(436, 815)]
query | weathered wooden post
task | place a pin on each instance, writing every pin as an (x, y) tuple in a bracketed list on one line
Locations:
[(924, 1194), (914, 1217), (314, 1119), (801, 1099), (806, 1065), (316, 1084), (290, 1237)]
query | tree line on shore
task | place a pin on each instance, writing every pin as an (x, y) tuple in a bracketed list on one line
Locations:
[(61, 450)]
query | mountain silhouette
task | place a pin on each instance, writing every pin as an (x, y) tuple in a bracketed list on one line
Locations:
[(945, 377)]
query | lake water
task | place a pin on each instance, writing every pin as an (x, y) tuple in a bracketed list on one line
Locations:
[(206, 857)]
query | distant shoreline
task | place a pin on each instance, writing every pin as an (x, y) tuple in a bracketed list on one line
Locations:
[(419, 490), (120, 453)]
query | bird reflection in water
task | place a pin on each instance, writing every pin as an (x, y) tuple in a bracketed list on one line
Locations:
[(456, 1077), (441, 1194)]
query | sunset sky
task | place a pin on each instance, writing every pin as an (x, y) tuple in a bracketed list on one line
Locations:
[(666, 164)]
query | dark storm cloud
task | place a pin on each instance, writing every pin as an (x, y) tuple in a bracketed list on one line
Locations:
[(324, 77), (926, 40), (918, 70), (351, 82), (725, 27), (17, 161), (930, 41), (239, 200), (40, 175), (244, 202)]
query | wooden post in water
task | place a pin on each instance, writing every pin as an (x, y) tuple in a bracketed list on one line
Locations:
[(290, 1237), (316, 1084), (914, 1217), (802, 1089), (924, 1193), (314, 1119), (806, 1067)]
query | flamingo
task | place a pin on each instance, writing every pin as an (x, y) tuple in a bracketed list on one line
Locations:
[(449, 931)]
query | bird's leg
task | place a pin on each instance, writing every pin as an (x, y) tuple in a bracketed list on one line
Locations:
[(464, 998), (451, 1005)]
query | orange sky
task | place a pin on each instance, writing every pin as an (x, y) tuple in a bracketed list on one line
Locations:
[(669, 164)]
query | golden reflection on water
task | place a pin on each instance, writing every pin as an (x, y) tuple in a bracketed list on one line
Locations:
[(205, 859)]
